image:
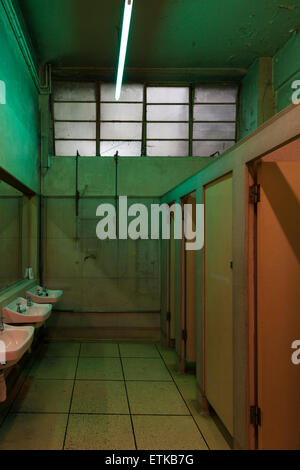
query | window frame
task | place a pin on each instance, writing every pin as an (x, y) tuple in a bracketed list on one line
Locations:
[(144, 139)]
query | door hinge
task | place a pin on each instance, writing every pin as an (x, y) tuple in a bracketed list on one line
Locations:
[(169, 316), (254, 194), (255, 416), (184, 335)]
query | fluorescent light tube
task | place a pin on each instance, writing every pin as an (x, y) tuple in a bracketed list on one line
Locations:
[(123, 47)]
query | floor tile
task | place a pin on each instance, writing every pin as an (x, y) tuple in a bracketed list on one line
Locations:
[(99, 350), (60, 349), (138, 350), (33, 432), (44, 396), (99, 397), (187, 386), (54, 368), (96, 432), (99, 369), (167, 433), (170, 358), (160, 398), (209, 429), (145, 369)]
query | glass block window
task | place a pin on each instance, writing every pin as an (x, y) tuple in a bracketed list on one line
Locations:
[(75, 116), (167, 117), (121, 122), (214, 119), (148, 120)]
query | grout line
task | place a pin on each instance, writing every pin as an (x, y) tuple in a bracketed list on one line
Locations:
[(128, 402), (71, 400), (97, 357), (99, 380), (191, 414), (63, 413)]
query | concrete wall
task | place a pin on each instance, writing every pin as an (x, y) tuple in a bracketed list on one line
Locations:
[(118, 276), (125, 275), (249, 100), (267, 87), (19, 117), (257, 100), (275, 132), (137, 176), (286, 71)]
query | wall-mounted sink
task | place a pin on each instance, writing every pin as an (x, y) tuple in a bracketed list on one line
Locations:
[(14, 342), (41, 295), (21, 311)]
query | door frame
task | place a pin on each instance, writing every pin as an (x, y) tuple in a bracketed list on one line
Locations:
[(183, 287), (251, 306), (168, 339)]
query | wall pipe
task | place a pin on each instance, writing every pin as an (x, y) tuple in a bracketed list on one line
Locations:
[(19, 35)]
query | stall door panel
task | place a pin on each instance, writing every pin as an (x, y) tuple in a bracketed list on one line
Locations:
[(218, 299), (278, 315)]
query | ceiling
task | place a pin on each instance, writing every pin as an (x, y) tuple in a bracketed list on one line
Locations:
[(164, 33)]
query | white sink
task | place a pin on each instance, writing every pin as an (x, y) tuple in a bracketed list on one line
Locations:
[(36, 294), (35, 314), (14, 342)]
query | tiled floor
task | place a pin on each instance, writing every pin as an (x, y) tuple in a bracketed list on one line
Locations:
[(104, 395)]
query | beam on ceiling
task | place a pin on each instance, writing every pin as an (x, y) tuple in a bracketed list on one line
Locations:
[(178, 75)]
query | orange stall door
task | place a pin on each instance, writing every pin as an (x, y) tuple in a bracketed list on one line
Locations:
[(278, 304)]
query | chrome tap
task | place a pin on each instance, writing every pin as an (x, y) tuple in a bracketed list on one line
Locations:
[(1, 324), (29, 302), (20, 308), (39, 292)]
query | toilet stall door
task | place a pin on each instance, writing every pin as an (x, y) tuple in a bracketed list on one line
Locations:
[(278, 304), (218, 299)]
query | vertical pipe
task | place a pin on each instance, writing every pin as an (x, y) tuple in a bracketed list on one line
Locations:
[(116, 158)]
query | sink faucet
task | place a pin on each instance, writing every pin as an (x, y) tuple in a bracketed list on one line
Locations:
[(29, 302), (45, 292), (1, 324), (20, 308)]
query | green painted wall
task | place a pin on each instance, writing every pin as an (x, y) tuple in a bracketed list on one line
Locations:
[(19, 117), (256, 103), (249, 101), (286, 71), (137, 176)]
